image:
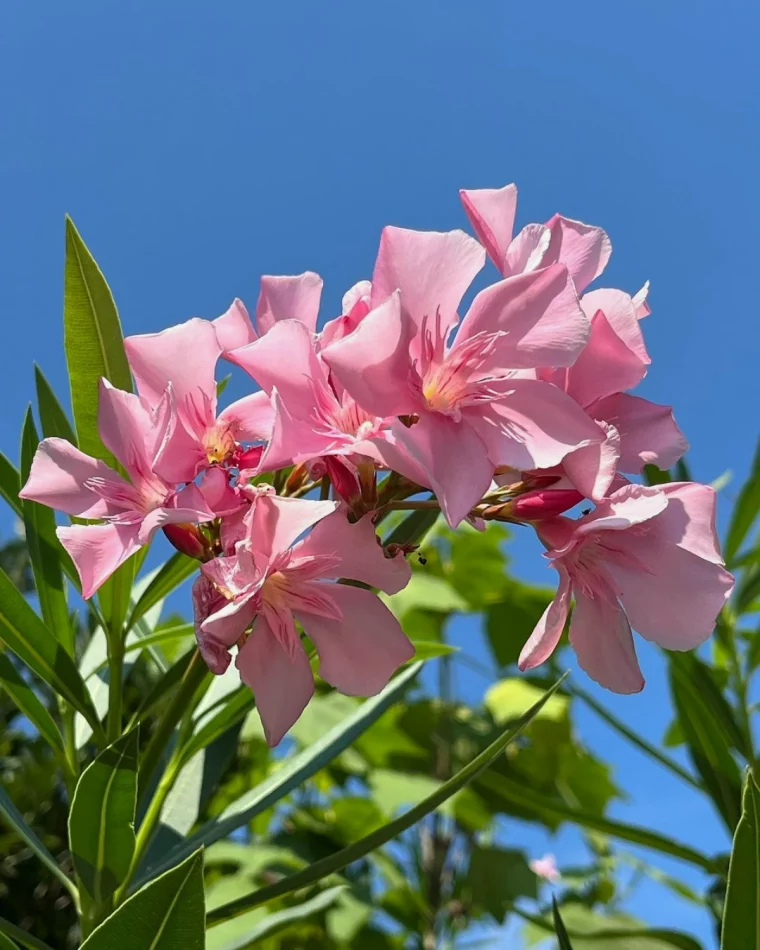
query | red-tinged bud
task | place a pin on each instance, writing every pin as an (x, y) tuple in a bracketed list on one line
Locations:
[(541, 505), (188, 539), (344, 479)]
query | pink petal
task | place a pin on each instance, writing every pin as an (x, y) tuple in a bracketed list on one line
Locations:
[(218, 495), (539, 315), (431, 269), (583, 248), (620, 311), (97, 550), (281, 684), (606, 365), (185, 356), (251, 417), (373, 362), (277, 522), (648, 431), (532, 425), (492, 214), (359, 653), (128, 429), (592, 468), (361, 556), (454, 458), (689, 519), (640, 304), (357, 296), (528, 249), (206, 600), (58, 479), (289, 298), (234, 327), (292, 439), (546, 635), (227, 624), (601, 637), (628, 506)]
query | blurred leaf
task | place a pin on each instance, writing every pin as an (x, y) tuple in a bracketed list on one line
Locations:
[(102, 818), (6, 943), (745, 511), (425, 592), (559, 926), (510, 622), (163, 686), (54, 421), (26, 635), (92, 340), (23, 937), (656, 476), (45, 551), (509, 698), (381, 836), (589, 930), (10, 484), (413, 528), (176, 570), (748, 588), (674, 735), (167, 914), (741, 914), (477, 564), (15, 820), (497, 877), (293, 772), (431, 650), (165, 635), (24, 696)]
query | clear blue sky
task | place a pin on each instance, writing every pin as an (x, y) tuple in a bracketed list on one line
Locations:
[(198, 145)]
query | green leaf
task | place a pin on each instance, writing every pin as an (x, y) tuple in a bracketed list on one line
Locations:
[(102, 817), (497, 877), (92, 339), (431, 649), (559, 927), (425, 592), (26, 635), (710, 731), (656, 476), (54, 421), (10, 484), (176, 570), (6, 943), (181, 631), (23, 937), (24, 696), (745, 511), (589, 930), (535, 802), (414, 528), (45, 551), (508, 699), (741, 914), (294, 771), (167, 914), (510, 622), (247, 933), (163, 686), (336, 862), (15, 820)]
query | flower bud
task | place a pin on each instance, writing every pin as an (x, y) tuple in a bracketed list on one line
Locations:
[(344, 479), (187, 539), (542, 504)]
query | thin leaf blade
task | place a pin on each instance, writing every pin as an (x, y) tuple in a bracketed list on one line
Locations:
[(176, 570), (53, 420), (741, 914), (745, 511), (24, 696)]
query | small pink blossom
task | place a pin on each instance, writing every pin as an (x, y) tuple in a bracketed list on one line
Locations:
[(546, 868), (273, 580), (645, 558), (64, 478)]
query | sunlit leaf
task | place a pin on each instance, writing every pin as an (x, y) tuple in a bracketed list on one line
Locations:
[(745, 511), (54, 421), (27, 700), (741, 914)]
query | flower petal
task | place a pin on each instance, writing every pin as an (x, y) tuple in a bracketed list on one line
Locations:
[(593, 468), (527, 250), (546, 635), (129, 430), (648, 431), (277, 522), (628, 506), (97, 550), (601, 637), (234, 327), (251, 417), (583, 248), (620, 311), (689, 519), (607, 365), (359, 653), (492, 214), (289, 298)]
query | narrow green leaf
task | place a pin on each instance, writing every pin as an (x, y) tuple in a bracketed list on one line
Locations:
[(163, 686), (431, 649), (26, 635), (102, 818), (414, 528), (15, 820), (92, 339), (559, 927), (745, 511), (24, 696), (45, 550), (629, 937), (527, 798), (114, 597), (293, 772), (176, 570), (741, 913), (10, 484), (167, 914), (236, 706), (54, 421), (167, 635), (336, 862), (6, 943), (23, 937)]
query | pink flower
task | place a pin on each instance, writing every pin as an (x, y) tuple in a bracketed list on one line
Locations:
[(465, 408), (646, 558), (274, 580), (546, 867), (64, 478)]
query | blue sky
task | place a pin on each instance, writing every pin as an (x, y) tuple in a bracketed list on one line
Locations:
[(199, 145)]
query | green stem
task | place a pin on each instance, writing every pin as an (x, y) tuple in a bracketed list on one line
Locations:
[(324, 488)]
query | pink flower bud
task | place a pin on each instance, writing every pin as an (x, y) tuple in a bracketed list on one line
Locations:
[(344, 479), (187, 539), (542, 504)]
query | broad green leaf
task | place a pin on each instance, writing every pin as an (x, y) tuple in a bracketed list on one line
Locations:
[(54, 421), (45, 550), (246, 932), (102, 818), (15, 820), (562, 938), (167, 914), (497, 877), (24, 696), (741, 913), (745, 511), (22, 937), (6, 943), (710, 731), (26, 635), (413, 528), (293, 772), (508, 699), (92, 339), (542, 805), (376, 839), (425, 592), (176, 570), (10, 484)]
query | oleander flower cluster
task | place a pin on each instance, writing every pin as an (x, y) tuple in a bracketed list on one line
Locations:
[(518, 409)]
